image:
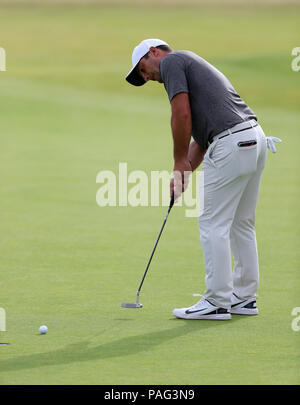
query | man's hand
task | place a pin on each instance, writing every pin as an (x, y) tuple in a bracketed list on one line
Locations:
[(181, 172)]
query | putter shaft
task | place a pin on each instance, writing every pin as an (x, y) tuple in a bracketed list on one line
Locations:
[(137, 304), (156, 243)]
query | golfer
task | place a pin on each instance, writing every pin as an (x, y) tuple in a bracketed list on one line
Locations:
[(232, 145)]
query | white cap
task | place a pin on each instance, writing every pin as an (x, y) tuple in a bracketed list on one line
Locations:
[(139, 51)]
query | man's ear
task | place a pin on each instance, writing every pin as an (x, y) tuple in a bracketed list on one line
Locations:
[(154, 51)]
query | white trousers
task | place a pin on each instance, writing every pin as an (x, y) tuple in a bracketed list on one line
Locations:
[(231, 183)]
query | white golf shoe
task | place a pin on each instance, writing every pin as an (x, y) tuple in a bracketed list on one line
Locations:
[(203, 309), (243, 307)]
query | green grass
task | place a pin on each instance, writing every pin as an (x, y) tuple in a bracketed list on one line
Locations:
[(67, 113)]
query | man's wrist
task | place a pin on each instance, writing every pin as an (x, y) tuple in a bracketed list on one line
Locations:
[(181, 161)]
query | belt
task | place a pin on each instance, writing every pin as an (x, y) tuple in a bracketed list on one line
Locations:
[(237, 128)]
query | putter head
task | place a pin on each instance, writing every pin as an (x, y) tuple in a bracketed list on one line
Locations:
[(131, 305)]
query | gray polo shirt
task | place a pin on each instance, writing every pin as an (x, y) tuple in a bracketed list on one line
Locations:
[(215, 105)]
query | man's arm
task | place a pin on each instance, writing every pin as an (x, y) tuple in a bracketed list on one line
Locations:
[(187, 155), (181, 124)]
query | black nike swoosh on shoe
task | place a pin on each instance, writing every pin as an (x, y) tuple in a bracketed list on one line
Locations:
[(217, 311), (238, 303), (192, 312)]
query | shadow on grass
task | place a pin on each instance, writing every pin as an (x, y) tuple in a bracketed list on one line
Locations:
[(119, 348)]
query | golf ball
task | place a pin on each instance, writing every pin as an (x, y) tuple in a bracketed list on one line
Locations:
[(43, 329)]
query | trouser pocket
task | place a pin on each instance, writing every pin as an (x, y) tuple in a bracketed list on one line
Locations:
[(247, 144), (220, 153)]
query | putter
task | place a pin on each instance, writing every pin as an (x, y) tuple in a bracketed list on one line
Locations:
[(137, 303)]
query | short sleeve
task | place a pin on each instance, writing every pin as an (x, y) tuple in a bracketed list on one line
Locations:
[(173, 73)]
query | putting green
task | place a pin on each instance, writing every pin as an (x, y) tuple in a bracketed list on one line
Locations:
[(66, 114)]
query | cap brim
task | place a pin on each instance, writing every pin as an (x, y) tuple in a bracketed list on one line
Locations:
[(134, 78)]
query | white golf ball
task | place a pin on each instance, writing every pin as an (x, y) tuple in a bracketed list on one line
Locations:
[(43, 329)]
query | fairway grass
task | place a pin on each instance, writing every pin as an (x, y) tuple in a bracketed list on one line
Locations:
[(66, 114)]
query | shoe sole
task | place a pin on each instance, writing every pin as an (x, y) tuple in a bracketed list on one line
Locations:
[(244, 311), (217, 317)]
